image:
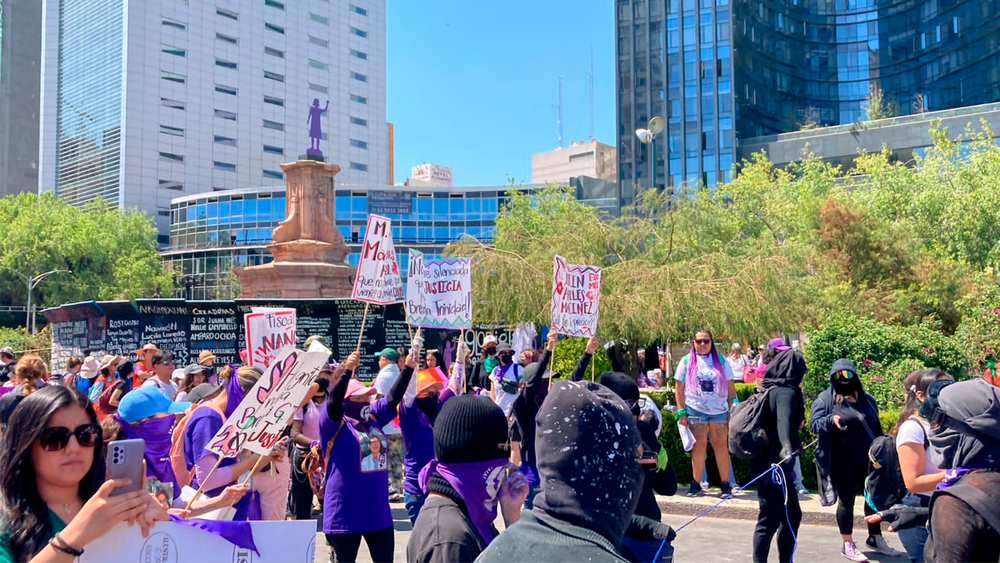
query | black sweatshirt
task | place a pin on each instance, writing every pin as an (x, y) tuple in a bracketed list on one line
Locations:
[(335, 398), (526, 407), (785, 413)]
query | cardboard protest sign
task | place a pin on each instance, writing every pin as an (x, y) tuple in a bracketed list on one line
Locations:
[(169, 542), (377, 280), (439, 292), (576, 293), (260, 418), (268, 331)]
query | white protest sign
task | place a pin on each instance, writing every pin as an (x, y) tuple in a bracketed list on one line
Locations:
[(377, 280), (268, 330), (576, 293), (169, 542), (439, 292), (260, 418)]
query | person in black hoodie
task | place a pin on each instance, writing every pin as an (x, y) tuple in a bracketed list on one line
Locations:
[(845, 420), (784, 412)]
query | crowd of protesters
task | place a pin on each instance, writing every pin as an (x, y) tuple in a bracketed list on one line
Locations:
[(572, 464)]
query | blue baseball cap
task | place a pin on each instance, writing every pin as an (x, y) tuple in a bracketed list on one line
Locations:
[(144, 402)]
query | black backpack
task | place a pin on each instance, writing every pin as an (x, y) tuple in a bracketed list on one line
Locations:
[(884, 485), (747, 437)]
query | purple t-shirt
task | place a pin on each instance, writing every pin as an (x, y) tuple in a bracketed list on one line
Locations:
[(357, 477), (200, 429), (418, 437)]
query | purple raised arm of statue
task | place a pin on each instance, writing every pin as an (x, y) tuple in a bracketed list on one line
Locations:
[(315, 127)]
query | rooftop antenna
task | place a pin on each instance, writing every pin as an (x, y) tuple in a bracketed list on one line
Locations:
[(559, 107), (591, 76)]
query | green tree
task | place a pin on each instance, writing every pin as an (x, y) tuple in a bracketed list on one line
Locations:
[(111, 253)]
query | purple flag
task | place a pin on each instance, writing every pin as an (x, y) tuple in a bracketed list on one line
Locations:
[(238, 533)]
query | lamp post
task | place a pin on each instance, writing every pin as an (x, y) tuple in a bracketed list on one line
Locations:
[(31, 283), (647, 136)]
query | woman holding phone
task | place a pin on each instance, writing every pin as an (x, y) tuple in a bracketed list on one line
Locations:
[(54, 500)]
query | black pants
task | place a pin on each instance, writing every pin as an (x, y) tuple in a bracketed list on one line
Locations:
[(344, 547), (301, 497), (848, 481), (772, 517)]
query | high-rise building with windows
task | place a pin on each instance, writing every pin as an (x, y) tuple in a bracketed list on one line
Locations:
[(721, 71), (143, 102), (20, 54)]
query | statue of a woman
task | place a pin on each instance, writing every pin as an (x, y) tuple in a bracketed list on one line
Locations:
[(315, 126)]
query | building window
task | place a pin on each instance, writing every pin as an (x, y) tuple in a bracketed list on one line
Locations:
[(274, 28), (173, 77), (228, 141), (274, 52), (171, 50), (171, 185), (359, 121), (167, 22), (274, 150), (359, 144), (357, 10), (225, 166), (274, 76), (173, 104), (227, 14), (225, 114), (321, 42), (274, 125), (168, 130), (226, 64), (359, 166), (317, 64), (359, 32), (227, 39), (359, 99), (359, 77), (319, 19), (225, 90), (318, 88), (274, 174), (274, 101), (359, 54), (171, 156), (275, 4)]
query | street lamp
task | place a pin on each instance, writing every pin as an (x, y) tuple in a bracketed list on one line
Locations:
[(647, 136), (31, 284)]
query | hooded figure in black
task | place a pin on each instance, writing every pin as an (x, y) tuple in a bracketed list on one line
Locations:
[(587, 446), (783, 414)]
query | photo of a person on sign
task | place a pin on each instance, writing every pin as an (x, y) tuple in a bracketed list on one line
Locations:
[(376, 459)]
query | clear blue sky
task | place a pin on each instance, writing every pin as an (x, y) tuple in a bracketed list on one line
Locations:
[(472, 84)]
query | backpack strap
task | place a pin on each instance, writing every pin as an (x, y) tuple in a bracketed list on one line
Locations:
[(329, 445), (979, 501)]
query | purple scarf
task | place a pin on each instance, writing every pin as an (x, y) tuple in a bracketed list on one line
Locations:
[(156, 433), (478, 483), (690, 382), (234, 394), (951, 477), (238, 533)]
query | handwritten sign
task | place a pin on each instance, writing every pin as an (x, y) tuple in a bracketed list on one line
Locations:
[(377, 280), (262, 415), (439, 292), (576, 293), (268, 330)]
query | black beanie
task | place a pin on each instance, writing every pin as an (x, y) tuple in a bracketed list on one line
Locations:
[(469, 428), (621, 384)]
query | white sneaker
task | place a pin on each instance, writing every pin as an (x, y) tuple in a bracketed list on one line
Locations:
[(850, 551), (879, 544)]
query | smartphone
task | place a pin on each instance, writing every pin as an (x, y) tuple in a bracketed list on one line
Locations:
[(125, 462)]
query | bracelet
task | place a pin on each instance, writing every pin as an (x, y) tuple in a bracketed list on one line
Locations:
[(736, 400), (682, 412), (65, 547)]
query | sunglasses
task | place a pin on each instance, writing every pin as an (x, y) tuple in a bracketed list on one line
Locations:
[(56, 438), (702, 341), (844, 374)]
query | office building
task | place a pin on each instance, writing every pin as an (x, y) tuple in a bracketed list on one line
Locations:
[(143, 102), (593, 159), (433, 175), (20, 59), (721, 71)]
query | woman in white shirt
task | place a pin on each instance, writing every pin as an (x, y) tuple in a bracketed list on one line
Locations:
[(919, 474)]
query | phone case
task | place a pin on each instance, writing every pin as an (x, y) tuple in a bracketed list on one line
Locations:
[(125, 462)]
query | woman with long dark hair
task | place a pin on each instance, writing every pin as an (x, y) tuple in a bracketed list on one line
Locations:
[(435, 359), (54, 500)]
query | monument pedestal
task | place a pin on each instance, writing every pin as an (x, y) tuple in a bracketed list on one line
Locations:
[(309, 253)]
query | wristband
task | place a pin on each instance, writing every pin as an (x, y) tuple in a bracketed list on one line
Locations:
[(314, 444), (682, 412), (60, 544)]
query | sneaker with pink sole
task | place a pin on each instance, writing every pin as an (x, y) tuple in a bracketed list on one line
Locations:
[(850, 551)]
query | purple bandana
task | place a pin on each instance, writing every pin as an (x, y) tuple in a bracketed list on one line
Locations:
[(156, 433), (237, 533), (951, 477), (234, 394), (478, 483)]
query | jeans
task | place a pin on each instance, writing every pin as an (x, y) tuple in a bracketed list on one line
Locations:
[(798, 474), (914, 538), (413, 505)]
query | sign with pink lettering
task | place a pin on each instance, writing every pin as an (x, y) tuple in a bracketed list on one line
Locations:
[(261, 417), (576, 293), (377, 280), (268, 331)]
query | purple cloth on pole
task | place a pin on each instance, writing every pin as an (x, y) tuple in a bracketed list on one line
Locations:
[(234, 394), (156, 434), (237, 533), (478, 483)]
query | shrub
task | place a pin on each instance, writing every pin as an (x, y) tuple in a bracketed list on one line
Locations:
[(38, 343), (568, 353), (980, 328)]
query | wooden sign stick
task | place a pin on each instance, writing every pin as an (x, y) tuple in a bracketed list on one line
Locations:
[(256, 466), (202, 486), (361, 333)]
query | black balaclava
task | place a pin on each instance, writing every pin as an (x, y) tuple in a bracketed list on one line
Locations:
[(429, 406), (845, 387), (587, 446), (529, 372), (623, 386), (975, 402)]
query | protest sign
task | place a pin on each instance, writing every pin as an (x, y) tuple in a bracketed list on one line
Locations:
[(439, 292), (169, 542), (576, 293), (377, 280), (268, 330), (257, 423)]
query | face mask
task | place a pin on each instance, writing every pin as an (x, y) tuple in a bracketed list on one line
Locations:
[(490, 350), (844, 387), (357, 411), (428, 406), (543, 391), (478, 483), (506, 359)]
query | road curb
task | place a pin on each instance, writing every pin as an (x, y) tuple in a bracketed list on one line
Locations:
[(742, 511)]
